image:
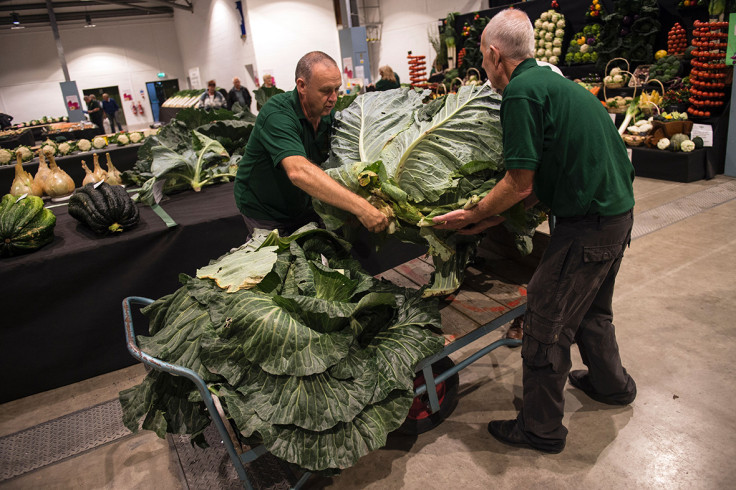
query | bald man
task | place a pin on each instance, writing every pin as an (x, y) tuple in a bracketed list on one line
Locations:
[(238, 94), (560, 147), (280, 172)]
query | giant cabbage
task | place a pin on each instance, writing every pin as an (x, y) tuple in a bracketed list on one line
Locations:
[(307, 353), (414, 161)]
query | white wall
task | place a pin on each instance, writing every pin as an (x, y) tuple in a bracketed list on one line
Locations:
[(405, 25), (209, 39), (284, 31), (126, 54)]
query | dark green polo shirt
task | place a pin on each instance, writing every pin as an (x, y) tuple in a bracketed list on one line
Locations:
[(262, 188), (561, 131)]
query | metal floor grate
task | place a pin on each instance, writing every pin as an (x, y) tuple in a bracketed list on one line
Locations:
[(679, 209), (60, 438), (211, 467)]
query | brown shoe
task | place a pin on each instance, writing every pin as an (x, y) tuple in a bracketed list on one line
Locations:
[(516, 330)]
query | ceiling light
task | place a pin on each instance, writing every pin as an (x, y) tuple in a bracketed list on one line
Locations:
[(89, 21), (16, 21)]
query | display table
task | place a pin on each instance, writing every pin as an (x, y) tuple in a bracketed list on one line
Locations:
[(123, 157), (667, 165), (61, 305), (25, 138), (77, 134)]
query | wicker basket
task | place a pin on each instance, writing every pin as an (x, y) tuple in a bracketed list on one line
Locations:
[(651, 108), (616, 85), (633, 140)]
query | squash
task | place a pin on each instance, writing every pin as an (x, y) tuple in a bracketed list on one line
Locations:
[(104, 208), (676, 140), (698, 142), (25, 225)]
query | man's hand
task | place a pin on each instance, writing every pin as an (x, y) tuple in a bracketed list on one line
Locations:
[(465, 221), (374, 220)]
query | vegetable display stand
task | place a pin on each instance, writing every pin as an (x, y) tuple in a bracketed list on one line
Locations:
[(227, 433), (666, 165)]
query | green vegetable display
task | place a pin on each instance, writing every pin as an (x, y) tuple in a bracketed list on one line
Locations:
[(25, 225), (306, 352), (196, 148), (414, 161), (104, 208)]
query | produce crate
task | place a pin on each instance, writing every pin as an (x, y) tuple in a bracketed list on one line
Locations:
[(667, 165)]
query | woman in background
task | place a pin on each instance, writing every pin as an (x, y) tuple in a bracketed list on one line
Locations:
[(389, 80)]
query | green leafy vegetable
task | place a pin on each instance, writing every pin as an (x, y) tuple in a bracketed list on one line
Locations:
[(316, 360), (414, 161)]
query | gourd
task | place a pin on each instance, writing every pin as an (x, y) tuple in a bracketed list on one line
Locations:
[(676, 140), (104, 208), (687, 146), (25, 225), (698, 142), (663, 143)]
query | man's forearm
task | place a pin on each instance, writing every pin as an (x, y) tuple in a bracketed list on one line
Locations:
[(514, 187), (315, 182)]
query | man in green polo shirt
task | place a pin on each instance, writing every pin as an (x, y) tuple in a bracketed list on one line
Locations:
[(560, 147), (279, 173)]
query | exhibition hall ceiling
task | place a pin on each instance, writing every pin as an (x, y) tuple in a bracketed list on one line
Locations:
[(19, 14)]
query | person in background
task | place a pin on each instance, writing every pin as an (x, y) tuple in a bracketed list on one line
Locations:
[(389, 80), (586, 181), (266, 91), (94, 109), (280, 172), (238, 94), (211, 99), (111, 108)]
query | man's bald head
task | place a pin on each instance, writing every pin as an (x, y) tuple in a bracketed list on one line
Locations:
[(512, 33)]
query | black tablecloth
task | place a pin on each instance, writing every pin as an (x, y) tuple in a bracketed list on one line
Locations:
[(61, 305), (123, 157), (25, 138), (77, 134)]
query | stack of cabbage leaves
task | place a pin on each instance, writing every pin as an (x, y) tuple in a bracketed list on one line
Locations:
[(306, 352), (414, 161)]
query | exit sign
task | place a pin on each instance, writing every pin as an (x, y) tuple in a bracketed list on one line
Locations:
[(161, 75)]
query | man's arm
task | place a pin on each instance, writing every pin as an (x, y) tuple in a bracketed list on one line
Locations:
[(515, 186), (315, 182)]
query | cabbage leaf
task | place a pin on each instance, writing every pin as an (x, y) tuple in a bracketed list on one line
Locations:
[(316, 361), (414, 161)]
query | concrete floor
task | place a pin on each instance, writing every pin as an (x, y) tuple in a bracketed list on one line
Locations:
[(674, 307)]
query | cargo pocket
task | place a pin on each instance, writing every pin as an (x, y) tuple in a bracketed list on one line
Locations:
[(602, 253), (540, 346)]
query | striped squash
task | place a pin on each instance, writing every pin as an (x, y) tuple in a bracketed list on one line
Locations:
[(25, 225)]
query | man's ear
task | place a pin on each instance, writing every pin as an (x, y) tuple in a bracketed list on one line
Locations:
[(301, 85)]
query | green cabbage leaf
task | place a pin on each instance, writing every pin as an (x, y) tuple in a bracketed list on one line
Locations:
[(316, 360)]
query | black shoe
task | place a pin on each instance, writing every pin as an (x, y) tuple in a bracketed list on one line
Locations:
[(580, 380), (508, 432)]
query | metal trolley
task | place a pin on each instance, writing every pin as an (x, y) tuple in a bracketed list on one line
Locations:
[(435, 386)]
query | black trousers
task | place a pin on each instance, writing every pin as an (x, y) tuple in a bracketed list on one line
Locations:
[(569, 300)]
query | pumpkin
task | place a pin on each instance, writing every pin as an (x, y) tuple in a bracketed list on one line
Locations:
[(25, 225), (104, 208)]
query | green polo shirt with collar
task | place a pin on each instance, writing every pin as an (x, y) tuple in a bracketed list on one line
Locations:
[(262, 188), (561, 131)]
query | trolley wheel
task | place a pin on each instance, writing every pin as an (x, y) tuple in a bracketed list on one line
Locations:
[(420, 418)]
